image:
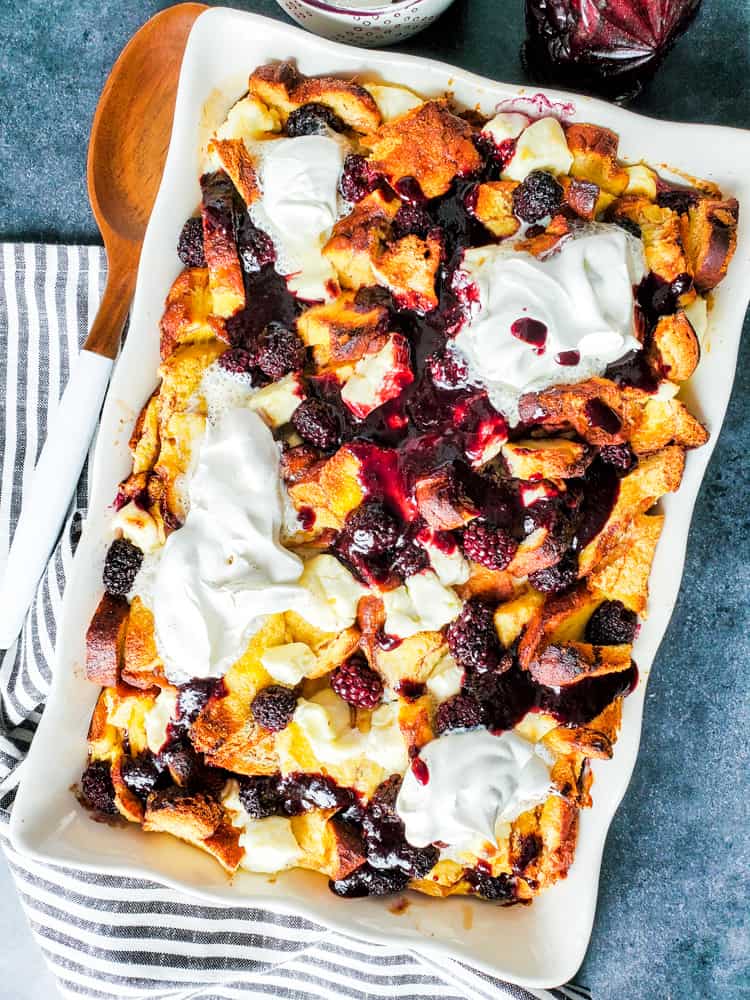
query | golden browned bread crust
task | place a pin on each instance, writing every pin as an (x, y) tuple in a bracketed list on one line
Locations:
[(105, 639), (429, 144)]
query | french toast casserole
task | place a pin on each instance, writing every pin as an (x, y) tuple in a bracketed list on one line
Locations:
[(376, 574)]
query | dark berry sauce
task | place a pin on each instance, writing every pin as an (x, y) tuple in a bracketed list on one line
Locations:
[(420, 770), (568, 358)]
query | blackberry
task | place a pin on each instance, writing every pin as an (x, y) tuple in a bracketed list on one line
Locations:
[(255, 248), (498, 888), (259, 794), (121, 567), (185, 766), (192, 698), (301, 793), (357, 683), (190, 244), (237, 361), (488, 544), (97, 787), (317, 422), (280, 351), (621, 456), (556, 578), (472, 638), (141, 774), (537, 196), (411, 219), (371, 529), (312, 119), (273, 707), (612, 624), (369, 881), (462, 711), (410, 560), (358, 178)]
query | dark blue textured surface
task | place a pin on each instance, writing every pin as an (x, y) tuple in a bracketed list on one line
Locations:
[(672, 918)]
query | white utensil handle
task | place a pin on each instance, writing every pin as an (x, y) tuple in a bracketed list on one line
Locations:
[(53, 482)]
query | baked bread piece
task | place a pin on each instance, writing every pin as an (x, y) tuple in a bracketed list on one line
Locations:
[(465, 573)]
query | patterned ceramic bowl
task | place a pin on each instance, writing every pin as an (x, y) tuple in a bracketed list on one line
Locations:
[(359, 23)]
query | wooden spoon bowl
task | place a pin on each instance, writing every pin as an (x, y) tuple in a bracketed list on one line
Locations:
[(127, 149)]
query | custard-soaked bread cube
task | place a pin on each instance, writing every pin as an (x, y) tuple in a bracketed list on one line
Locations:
[(104, 738), (583, 197), (660, 232), (218, 210), (144, 441), (596, 409), (188, 314), (674, 350), (594, 152), (429, 144), (105, 639), (181, 375), (710, 238), (142, 666), (225, 730), (512, 616), (408, 268), (558, 824), (415, 722), (329, 845), (492, 585), (443, 501), (663, 422), (654, 476), (493, 206), (559, 618), (332, 490), (625, 576), (357, 239), (539, 550), (197, 819), (412, 660), (249, 119), (237, 163), (282, 87), (341, 331), (546, 458), (330, 649), (563, 663), (564, 741), (128, 804)]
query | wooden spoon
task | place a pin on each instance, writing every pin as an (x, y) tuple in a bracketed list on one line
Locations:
[(129, 139)]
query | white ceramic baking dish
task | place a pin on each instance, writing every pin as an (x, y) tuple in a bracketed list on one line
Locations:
[(539, 945)]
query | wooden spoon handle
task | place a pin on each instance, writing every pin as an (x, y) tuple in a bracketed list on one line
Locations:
[(106, 330)]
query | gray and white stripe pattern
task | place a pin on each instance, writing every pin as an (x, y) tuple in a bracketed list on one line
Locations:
[(107, 936)]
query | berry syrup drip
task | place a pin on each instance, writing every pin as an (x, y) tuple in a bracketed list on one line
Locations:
[(515, 692), (568, 358), (532, 332), (601, 487), (420, 771), (633, 370), (601, 415), (268, 299)]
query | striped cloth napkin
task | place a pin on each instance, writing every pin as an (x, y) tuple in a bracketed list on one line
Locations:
[(107, 936)]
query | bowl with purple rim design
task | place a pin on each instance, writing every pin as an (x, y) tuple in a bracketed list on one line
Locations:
[(368, 23)]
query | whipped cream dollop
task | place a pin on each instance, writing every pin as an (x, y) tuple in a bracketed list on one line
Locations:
[(475, 781), (216, 577), (299, 204), (560, 318)]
